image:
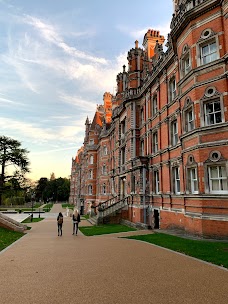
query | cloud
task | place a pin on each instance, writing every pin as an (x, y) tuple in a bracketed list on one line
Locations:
[(53, 150), (49, 33), (42, 59), (10, 102), (139, 33), (40, 134), (78, 102)]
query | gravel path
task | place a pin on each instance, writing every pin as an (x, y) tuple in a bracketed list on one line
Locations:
[(44, 268)]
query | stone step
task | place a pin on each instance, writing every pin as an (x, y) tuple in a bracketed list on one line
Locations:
[(92, 220)]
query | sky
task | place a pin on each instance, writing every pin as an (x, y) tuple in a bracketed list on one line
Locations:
[(57, 58)]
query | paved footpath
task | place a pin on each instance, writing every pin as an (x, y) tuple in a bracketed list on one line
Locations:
[(44, 268)]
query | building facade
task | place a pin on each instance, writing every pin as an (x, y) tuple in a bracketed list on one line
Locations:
[(161, 143)]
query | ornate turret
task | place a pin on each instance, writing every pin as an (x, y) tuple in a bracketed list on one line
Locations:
[(151, 38), (135, 64), (87, 128), (107, 98)]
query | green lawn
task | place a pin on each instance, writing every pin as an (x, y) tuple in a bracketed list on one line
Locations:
[(210, 251), (68, 205), (47, 207), (104, 229), (7, 237), (37, 219)]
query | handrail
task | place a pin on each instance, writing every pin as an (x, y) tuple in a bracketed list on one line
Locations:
[(107, 203), (104, 207)]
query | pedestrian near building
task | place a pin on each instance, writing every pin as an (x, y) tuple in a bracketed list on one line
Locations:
[(76, 221), (60, 224)]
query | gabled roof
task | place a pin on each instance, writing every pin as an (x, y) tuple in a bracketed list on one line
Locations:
[(97, 120)]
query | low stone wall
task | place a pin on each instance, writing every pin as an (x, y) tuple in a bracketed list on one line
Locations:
[(11, 224), (137, 225)]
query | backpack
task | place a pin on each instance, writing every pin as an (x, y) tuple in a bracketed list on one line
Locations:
[(60, 220)]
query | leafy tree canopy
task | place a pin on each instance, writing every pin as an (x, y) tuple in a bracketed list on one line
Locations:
[(11, 154)]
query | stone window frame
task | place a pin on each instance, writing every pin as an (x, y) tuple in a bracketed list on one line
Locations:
[(171, 136), (154, 109), (91, 159), (133, 184), (123, 156), (211, 95), (155, 146), (103, 189), (105, 150), (123, 127), (191, 164), (186, 54), (172, 88), (174, 179), (147, 105), (142, 147), (104, 169), (91, 142), (206, 38), (188, 107), (156, 181), (142, 118), (90, 173), (90, 189), (220, 161)]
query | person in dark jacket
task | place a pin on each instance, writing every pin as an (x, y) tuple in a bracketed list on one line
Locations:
[(76, 220), (60, 224)]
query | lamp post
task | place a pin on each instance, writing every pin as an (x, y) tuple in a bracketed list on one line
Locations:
[(33, 196), (39, 209)]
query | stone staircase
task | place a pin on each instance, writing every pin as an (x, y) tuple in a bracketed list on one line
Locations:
[(109, 208), (11, 224)]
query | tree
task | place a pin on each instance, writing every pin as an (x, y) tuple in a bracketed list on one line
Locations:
[(52, 176), (54, 190), (11, 153), (41, 188)]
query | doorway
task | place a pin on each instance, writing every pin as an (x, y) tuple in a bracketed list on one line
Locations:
[(156, 219)]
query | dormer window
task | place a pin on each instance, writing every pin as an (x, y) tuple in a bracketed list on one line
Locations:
[(185, 61), (208, 47)]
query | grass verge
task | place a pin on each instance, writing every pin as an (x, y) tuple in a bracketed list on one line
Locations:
[(209, 251), (47, 207), (37, 219), (7, 237), (69, 206), (104, 229)]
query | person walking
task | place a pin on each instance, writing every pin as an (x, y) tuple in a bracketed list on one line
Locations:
[(76, 221), (60, 224)]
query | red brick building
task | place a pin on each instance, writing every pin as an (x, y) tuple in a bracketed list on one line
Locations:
[(160, 145)]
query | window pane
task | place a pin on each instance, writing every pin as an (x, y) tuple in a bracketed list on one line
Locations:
[(211, 119), (213, 56), (178, 185), (217, 107), (224, 184), (218, 117), (193, 174), (215, 185), (213, 47), (209, 107), (195, 186), (205, 50), (214, 172)]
